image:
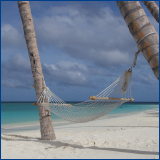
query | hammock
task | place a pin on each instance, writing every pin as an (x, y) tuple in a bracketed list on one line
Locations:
[(97, 106)]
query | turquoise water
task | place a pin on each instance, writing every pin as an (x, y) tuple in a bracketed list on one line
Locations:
[(26, 112)]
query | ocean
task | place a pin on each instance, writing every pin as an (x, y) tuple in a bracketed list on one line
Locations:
[(13, 113)]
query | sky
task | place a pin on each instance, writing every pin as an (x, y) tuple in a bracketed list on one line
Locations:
[(84, 47)]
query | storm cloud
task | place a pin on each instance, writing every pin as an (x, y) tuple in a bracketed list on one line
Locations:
[(100, 38), (83, 46)]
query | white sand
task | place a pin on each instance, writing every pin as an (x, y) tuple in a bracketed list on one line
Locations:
[(125, 137)]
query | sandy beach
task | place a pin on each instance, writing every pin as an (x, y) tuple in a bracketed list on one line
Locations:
[(133, 135)]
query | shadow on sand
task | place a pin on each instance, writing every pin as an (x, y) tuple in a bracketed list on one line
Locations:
[(57, 144)]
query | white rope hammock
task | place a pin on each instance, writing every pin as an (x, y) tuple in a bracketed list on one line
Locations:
[(104, 102)]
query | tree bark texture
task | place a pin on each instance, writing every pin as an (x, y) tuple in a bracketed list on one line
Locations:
[(142, 31), (153, 8), (46, 127)]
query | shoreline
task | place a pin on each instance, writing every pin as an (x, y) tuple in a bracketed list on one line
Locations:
[(60, 120), (125, 137), (7, 117), (34, 125)]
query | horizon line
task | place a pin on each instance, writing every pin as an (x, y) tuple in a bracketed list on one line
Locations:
[(72, 101)]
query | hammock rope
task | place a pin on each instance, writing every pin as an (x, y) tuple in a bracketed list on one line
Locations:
[(94, 107)]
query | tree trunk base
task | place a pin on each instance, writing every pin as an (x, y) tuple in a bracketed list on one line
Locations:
[(46, 126)]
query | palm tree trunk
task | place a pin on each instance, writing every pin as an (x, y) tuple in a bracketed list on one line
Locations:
[(47, 132), (153, 8), (142, 31)]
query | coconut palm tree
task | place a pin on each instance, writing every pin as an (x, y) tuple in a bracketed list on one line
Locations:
[(46, 127), (153, 8), (142, 31)]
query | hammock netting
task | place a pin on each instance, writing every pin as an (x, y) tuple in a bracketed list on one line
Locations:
[(97, 106)]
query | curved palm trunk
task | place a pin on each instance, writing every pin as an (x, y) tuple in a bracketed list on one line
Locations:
[(142, 31), (153, 8), (47, 132)]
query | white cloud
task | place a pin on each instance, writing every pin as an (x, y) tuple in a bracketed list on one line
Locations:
[(68, 73), (11, 36), (98, 38), (16, 72)]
